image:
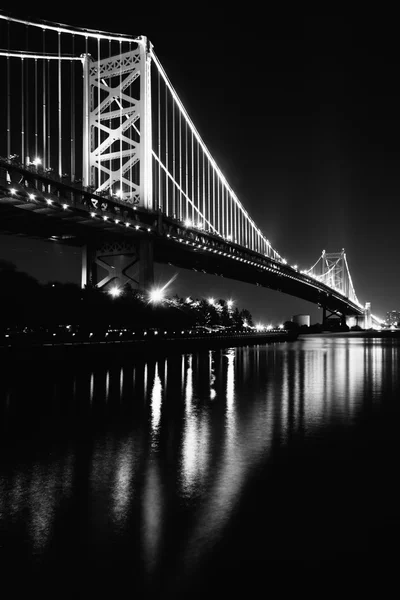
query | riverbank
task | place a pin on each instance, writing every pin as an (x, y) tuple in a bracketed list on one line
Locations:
[(155, 345), (385, 333)]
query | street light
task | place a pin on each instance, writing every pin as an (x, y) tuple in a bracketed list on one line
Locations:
[(229, 304), (156, 295), (115, 291), (211, 301)]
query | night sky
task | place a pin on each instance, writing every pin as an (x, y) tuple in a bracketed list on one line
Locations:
[(302, 115)]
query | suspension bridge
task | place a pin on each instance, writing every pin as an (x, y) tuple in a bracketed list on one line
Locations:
[(98, 151)]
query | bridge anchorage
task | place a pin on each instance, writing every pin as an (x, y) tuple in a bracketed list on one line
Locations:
[(98, 151)]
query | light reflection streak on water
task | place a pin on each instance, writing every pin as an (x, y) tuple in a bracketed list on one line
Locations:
[(42, 492), (121, 382), (241, 450), (189, 445), (91, 387), (152, 503), (123, 487), (145, 382), (156, 402), (213, 393), (333, 376), (49, 484), (195, 444), (107, 385)]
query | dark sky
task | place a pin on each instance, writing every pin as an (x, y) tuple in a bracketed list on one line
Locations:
[(302, 115)]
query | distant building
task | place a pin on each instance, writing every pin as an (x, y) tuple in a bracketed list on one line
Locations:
[(301, 320), (392, 317)]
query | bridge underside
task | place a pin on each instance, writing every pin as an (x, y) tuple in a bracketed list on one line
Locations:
[(79, 230), (75, 217)]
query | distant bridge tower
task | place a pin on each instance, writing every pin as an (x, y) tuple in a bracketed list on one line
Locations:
[(367, 316), (117, 157)]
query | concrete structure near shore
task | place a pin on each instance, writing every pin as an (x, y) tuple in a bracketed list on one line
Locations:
[(301, 320)]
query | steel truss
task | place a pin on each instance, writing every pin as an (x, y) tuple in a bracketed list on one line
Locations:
[(117, 126)]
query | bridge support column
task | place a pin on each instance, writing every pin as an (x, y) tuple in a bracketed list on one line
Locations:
[(115, 264), (332, 319)]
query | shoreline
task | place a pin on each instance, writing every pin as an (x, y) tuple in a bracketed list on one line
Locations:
[(144, 347), (354, 334)]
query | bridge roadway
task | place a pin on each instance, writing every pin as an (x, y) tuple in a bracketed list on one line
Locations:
[(76, 216)]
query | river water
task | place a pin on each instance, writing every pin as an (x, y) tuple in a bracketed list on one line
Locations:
[(224, 467)]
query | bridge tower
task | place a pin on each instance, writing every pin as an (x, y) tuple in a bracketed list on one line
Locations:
[(367, 316), (117, 159)]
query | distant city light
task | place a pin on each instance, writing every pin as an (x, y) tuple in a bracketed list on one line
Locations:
[(229, 303), (260, 327), (280, 326), (269, 327), (115, 292)]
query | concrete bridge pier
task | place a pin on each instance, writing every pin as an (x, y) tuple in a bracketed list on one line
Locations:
[(116, 263)]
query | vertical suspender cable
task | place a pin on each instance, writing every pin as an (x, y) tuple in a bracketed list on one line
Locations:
[(59, 108), (173, 160), (36, 108), (22, 114), (27, 86), (213, 221), (192, 197), (166, 150), (235, 234), (186, 170), (198, 178), (99, 171), (180, 166), (87, 169), (109, 128), (130, 117), (221, 209), (44, 104), (48, 113), (232, 207), (208, 192), (8, 96), (218, 206), (204, 191), (73, 112), (159, 139), (120, 122)]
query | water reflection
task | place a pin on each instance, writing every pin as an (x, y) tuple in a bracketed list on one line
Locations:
[(156, 401), (170, 465)]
